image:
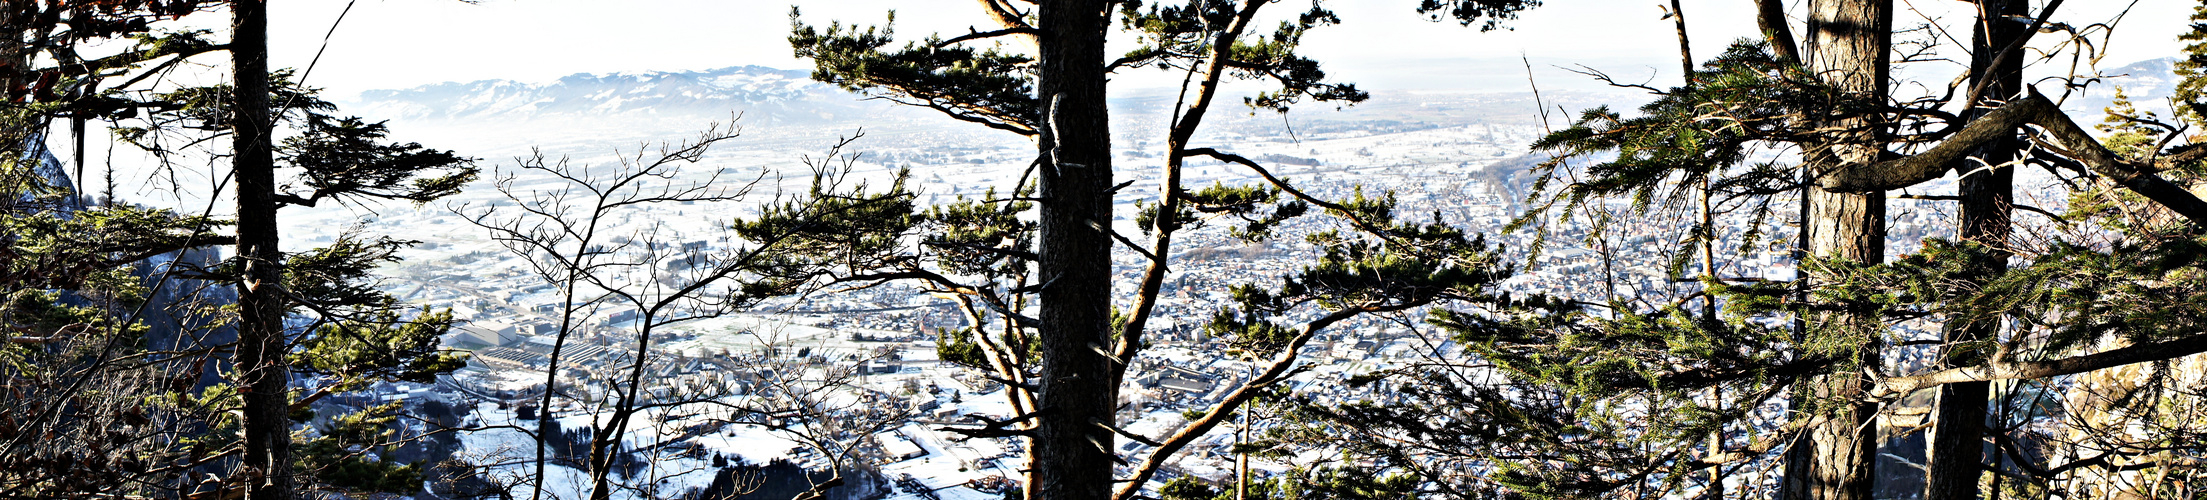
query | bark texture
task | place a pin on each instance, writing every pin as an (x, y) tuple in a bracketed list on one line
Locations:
[(1848, 42), (1770, 17), (1955, 456), (1072, 457), (263, 374)]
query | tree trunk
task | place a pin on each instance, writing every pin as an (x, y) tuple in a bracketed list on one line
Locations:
[(1072, 457), (1956, 446), (1848, 48), (264, 375)]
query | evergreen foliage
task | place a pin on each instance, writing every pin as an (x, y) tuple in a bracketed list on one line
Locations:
[(1561, 398), (981, 255), (1488, 14), (1344, 483), (111, 402), (2191, 86), (984, 86)]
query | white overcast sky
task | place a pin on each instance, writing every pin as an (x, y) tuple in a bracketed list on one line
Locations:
[(1381, 43)]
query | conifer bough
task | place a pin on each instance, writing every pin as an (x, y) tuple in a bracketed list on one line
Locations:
[(2072, 140)]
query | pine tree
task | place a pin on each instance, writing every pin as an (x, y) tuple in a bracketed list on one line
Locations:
[(1955, 457), (90, 314), (1563, 398), (2190, 86), (1065, 363), (1849, 47), (87, 413), (264, 375)]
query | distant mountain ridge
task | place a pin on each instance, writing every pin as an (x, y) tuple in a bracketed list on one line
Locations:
[(2154, 78), (654, 103), (2148, 83), (760, 93)]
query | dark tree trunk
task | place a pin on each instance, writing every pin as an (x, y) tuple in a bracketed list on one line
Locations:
[(1956, 454), (264, 375), (1848, 48), (1072, 457)]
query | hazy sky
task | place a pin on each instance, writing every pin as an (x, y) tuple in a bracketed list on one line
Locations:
[(1381, 43)]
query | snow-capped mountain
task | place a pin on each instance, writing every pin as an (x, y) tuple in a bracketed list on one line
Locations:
[(2148, 83), (2151, 78), (763, 95)]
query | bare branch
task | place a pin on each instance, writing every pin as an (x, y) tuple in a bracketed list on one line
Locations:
[(1007, 16)]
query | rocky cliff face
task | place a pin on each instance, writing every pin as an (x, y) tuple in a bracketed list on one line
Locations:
[(48, 168)]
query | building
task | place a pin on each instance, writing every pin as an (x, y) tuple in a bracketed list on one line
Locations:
[(1176, 379), (1184, 386), (510, 358), (898, 447), (483, 334)]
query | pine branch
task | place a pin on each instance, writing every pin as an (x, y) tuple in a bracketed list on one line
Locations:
[(999, 428), (2033, 109), (1007, 16), (1896, 387), (1123, 432), (1182, 125), (1336, 208), (972, 117), (1007, 252), (2026, 208), (977, 35), (1225, 408), (1153, 258)]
